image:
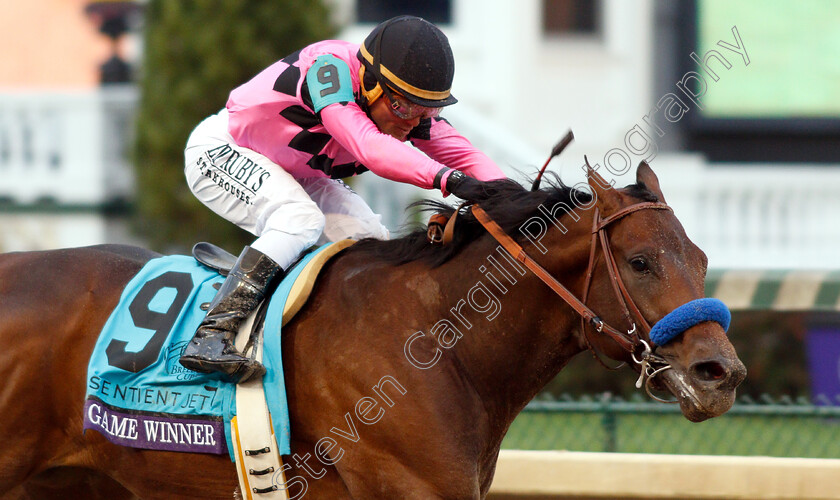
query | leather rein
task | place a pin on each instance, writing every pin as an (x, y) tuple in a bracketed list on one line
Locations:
[(630, 340)]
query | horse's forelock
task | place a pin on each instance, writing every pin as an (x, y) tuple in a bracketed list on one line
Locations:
[(641, 192)]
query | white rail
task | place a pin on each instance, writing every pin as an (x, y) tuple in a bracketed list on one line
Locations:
[(579, 475), (757, 216), (66, 147)]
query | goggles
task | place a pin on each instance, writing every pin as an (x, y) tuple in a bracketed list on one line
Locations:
[(407, 110)]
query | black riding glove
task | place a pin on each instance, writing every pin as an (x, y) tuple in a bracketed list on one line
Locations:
[(464, 186)]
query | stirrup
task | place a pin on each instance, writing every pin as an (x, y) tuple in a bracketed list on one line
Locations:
[(252, 369), (235, 367), (236, 371)]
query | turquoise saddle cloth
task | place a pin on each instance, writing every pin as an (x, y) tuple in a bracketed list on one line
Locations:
[(138, 395)]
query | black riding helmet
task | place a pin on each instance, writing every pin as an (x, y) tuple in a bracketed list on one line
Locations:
[(411, 56)]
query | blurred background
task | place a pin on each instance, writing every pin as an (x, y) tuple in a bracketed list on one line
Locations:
[(735, 105)]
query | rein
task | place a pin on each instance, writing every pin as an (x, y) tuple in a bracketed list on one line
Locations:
[(630, 340), (599, 233)]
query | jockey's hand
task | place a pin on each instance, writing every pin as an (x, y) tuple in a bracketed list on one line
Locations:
[(464, 186)]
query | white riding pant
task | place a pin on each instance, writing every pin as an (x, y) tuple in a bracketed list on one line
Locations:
[(287, 215)]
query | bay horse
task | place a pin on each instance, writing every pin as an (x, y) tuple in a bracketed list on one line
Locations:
[(405, 368)]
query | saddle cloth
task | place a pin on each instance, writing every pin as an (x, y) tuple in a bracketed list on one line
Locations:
[(138, 395)]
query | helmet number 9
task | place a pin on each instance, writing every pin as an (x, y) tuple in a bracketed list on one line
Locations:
[(328, 76)]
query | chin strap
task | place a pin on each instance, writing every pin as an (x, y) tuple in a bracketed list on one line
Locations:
[(370, 95)]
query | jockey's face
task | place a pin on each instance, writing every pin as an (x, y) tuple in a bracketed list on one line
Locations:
[(388, 122)]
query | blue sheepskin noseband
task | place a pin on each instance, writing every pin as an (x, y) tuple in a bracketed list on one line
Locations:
[(688, 315)]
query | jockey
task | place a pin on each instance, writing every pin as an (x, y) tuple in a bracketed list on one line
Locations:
[(271, 160)]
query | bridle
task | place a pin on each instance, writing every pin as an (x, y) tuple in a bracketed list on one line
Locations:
[(650, 364)]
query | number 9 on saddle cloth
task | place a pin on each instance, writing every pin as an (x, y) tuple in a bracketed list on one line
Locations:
[(138, 395)]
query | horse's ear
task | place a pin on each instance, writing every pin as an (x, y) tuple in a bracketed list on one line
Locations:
[(645, 175), (607, 198)]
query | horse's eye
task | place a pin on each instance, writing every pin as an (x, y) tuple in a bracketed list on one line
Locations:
[(639, 265)]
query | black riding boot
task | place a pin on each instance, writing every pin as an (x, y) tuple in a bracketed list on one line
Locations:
[(211, 348)]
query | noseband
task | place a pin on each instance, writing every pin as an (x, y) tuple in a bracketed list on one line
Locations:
[(630, 340)]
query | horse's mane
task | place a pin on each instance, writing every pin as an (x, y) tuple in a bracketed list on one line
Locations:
[(506, 201)]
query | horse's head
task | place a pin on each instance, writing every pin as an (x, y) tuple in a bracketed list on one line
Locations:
[(660, 270), (649, 271)]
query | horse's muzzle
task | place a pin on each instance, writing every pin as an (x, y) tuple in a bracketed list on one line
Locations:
[(706, 387), (720, 374)]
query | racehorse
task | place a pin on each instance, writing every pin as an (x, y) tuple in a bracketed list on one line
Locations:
[(408, 363)]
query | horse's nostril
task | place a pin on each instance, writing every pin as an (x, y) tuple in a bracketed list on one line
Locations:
[(709, 371)]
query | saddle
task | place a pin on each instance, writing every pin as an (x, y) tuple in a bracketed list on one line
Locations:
[(214, 257), (222, 261), (259, 465)]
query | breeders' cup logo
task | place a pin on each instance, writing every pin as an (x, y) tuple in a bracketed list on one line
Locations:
[(173, 367)]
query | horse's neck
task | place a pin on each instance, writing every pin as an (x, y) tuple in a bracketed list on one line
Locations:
[(522, 335)]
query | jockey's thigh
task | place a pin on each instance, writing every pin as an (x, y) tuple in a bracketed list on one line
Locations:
[(347, 214), (251, 191)]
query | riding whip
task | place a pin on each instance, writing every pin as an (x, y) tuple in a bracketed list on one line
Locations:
[(556, 150)]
